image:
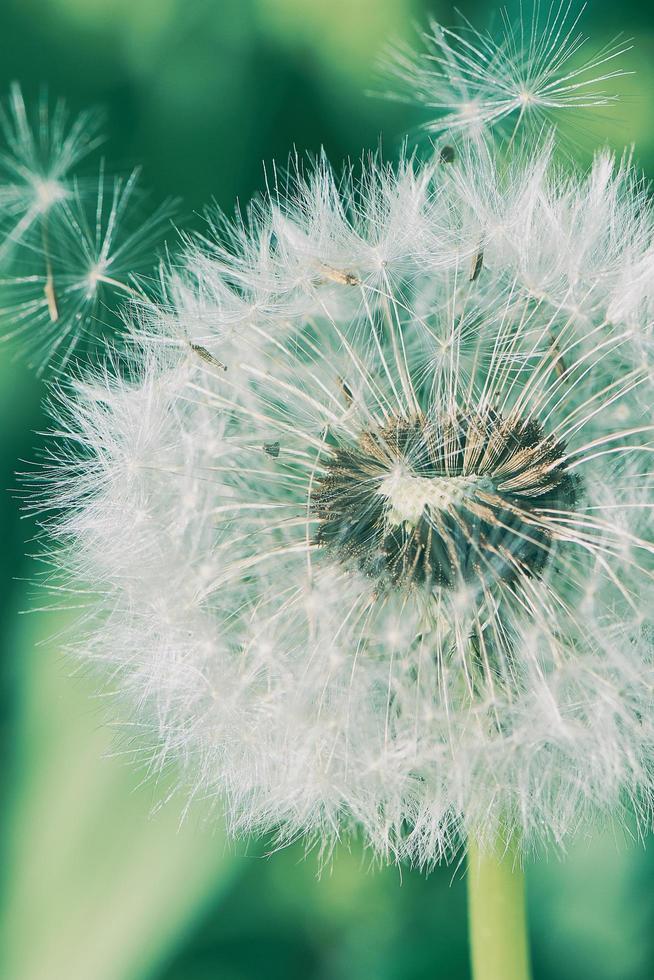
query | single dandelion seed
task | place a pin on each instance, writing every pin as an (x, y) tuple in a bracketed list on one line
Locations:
[(37, 159), (534, 69)]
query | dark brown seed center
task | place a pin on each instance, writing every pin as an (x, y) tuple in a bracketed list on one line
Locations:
[(434, 502)]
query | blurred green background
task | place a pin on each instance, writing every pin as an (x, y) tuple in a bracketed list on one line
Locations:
[(99, 881)]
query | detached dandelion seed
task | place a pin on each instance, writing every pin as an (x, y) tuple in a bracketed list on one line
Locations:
[(534, 69), (36, 162)]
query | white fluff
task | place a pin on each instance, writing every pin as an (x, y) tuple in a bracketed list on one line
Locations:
[(287, 683), (524, 75)]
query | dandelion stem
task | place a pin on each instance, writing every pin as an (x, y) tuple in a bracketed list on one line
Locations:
[(497, 920)]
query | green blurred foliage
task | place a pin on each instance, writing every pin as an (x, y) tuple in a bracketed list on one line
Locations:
[(100, 883)]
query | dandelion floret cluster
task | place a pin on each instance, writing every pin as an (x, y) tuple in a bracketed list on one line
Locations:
[(445, 501)]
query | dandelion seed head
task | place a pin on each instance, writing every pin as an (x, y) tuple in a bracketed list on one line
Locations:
[(349, 583), (366, 507)]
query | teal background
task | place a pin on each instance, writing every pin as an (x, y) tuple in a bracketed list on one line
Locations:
[(102, 881)]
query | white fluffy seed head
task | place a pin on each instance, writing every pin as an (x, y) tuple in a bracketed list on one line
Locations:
[(368, 520)]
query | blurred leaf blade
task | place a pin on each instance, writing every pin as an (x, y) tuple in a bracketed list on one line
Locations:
[(98, 885)]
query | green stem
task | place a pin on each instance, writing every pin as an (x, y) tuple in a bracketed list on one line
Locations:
[(497, 920)]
